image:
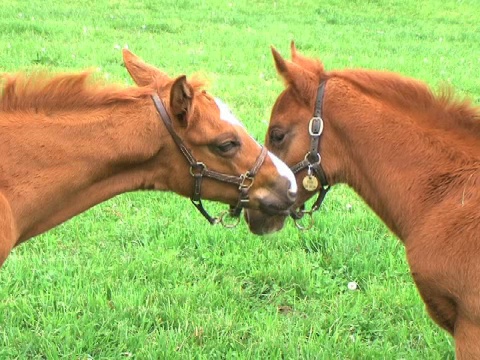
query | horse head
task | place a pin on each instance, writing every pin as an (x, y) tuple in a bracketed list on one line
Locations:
[(210, 154), (292, 138)]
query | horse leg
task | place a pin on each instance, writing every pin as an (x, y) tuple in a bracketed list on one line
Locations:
[(7, 237), (467, 339), (459, 316)]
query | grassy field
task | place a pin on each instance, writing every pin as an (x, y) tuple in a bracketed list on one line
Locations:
[(144, 276)]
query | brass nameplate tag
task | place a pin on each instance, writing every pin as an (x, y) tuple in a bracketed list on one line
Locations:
[(310, 183)]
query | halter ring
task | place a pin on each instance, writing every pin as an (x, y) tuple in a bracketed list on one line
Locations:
[(226, 214), (310, 220), (198, 169), (319, 158)]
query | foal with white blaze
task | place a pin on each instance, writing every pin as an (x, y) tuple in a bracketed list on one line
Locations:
[(68, 144)]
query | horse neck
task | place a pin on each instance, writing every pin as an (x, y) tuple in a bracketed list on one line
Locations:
[(62, 164), (388, 159)]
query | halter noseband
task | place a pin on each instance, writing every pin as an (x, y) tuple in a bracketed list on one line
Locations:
[(312, 162), (199, 170)]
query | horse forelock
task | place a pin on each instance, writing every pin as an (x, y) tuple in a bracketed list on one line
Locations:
[(48, 92)]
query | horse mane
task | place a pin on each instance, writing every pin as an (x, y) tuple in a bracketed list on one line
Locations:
[(48, 92), (443, 111), (57, 92)]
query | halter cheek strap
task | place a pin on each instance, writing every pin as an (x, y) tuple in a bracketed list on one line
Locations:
[(313, 161), (199, 170)]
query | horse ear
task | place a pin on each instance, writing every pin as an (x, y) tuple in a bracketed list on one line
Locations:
[(312, 65), (293, 50), (296, 57), (181, 99), (300, 79), (142, 73), (280, 64)]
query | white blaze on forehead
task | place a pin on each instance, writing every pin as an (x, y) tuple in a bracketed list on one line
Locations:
[(282, 168), (284, 171), (226, 113)]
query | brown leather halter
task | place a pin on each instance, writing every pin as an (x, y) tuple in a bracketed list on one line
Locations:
[(199, 170), (312, 161)]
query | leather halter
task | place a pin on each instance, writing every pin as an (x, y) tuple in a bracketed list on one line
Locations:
[(199, 170), (313, 161)]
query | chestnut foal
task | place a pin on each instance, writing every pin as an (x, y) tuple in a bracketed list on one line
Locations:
[(67, 144), (412, 156)]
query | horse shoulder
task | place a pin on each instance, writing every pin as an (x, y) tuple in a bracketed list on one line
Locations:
[(7, 229), (445, 246)]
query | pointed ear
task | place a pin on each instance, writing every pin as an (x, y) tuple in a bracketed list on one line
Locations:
[(280, 64), (142, 73), (312, 65), (293, 49), (181, 99), (300, 79)]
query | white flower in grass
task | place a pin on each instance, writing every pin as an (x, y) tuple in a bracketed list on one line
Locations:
[(352, 285), (117, 47), (348, 207)]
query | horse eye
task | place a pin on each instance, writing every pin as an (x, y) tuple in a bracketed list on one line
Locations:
[(276, 136), (227, 146)]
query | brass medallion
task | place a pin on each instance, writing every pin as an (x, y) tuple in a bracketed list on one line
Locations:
[(310, 183)]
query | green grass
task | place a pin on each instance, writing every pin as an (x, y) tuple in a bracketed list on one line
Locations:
[(144, 276)]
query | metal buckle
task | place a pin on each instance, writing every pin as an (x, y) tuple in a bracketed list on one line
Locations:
[(246, 181), (198, 169), (315, 122)]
